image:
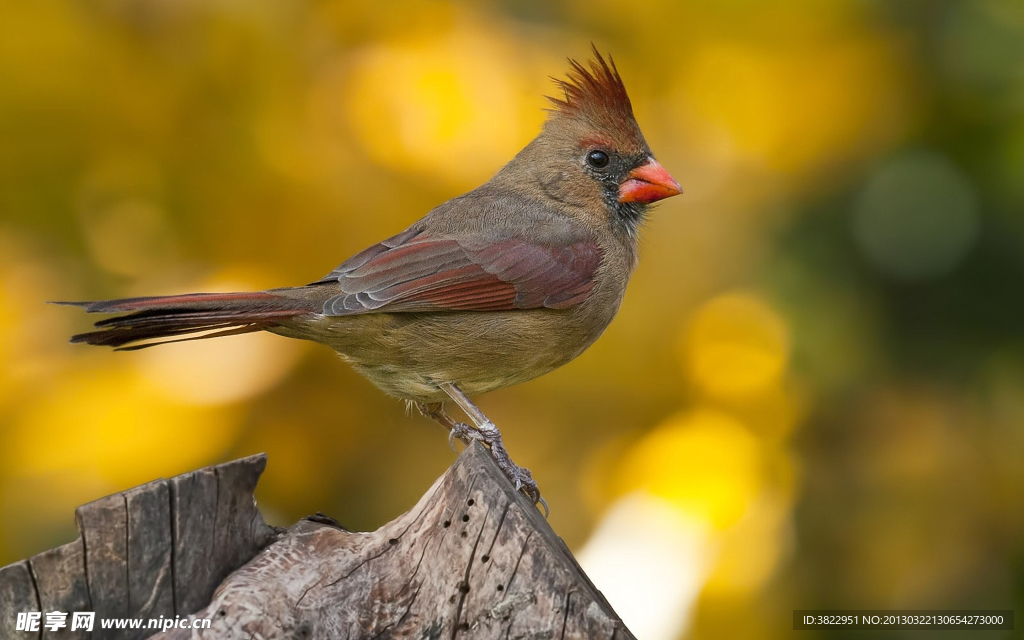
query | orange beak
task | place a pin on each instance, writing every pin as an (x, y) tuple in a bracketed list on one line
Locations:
[(648, 183)]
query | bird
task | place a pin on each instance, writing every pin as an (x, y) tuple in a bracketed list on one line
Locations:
[(490, 289)]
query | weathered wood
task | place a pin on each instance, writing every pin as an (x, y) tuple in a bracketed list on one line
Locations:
[(150, 572), (61, 586), (104, 528), (473, 559), (238, 531), (17, 595), (194, 500), (159, 549)]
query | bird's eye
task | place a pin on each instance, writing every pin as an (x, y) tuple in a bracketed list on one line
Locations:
[(597, 159)]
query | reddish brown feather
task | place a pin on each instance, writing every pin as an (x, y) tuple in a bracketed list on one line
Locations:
[(598, 95), (425, 273), (169, 316), (196, 301)]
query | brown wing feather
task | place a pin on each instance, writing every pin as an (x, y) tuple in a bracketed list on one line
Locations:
[(418, 272)]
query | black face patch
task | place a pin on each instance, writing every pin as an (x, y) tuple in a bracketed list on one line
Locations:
[(610, 176)]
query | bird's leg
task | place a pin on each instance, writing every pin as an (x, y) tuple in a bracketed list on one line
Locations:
[(520, 476), (460, 430)]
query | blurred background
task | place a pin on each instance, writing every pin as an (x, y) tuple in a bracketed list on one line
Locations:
[(813, 396)]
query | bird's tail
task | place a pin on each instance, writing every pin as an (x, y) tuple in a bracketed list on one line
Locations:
[(146, 321)]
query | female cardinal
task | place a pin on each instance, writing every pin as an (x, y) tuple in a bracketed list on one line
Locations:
[(489, 289)]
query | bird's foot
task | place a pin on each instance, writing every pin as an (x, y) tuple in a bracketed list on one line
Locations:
[(521, 477), (464, 432), (486, 432)]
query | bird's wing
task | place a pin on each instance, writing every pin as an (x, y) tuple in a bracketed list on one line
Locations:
[(416, 271)]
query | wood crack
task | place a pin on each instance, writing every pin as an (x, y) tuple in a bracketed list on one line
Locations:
[(127, 555), (464, 587), (212, 551), (310, 587), (497, 530), (518, 560), (172, 494), (565, 615), (35, 592)]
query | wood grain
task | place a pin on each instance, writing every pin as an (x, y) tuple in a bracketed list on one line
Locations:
[(472, 559), (159, 549)]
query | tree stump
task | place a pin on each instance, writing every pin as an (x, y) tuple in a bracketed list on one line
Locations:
[(472, 559)]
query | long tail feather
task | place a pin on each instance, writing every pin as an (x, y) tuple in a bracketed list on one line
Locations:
[(147, 320)]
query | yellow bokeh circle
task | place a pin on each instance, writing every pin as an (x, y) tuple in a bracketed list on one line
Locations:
[(704, 462), (426, 107), (735, 346)]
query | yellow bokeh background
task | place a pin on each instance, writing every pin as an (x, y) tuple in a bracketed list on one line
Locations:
[(815, 385)]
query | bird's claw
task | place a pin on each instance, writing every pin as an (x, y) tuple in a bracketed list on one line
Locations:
[(520, 477), (528, 486), (543, 503), (465, 433)]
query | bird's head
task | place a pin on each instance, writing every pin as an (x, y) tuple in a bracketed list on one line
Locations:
[(592, 152)]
